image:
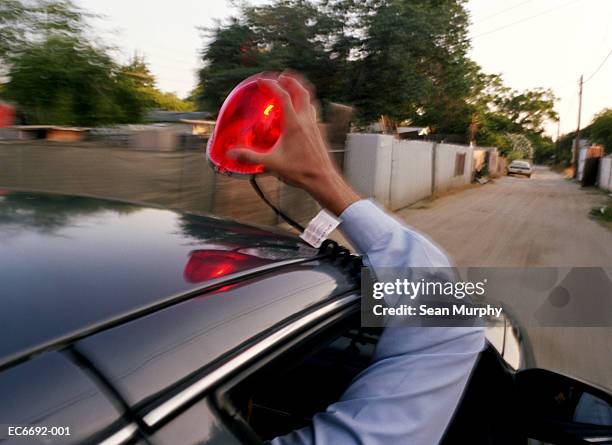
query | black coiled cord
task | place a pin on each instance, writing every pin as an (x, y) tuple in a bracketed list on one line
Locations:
[(276, 210)]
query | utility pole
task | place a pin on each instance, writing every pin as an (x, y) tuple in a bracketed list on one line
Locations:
[(557, 146), (577, 140)]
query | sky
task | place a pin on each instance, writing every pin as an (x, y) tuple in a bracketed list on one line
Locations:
[(531, 43)]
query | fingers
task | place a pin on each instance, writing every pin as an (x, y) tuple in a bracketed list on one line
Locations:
[(248, 156), (304, 85), (299, 94), (303, 81), (313, 112), (274, 87)]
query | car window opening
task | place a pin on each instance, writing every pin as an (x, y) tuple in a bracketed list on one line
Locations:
[(285, 394)]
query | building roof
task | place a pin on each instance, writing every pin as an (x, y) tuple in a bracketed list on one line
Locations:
[(175, 116), (198, 121), (420, 130), (50, 127)]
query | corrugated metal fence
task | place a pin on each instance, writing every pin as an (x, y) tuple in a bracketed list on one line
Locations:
[(399, 173)]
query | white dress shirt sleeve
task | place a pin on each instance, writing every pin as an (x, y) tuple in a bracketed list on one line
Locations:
[(410, 391)]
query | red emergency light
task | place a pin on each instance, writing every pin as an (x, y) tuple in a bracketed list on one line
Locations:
[(251, 117)]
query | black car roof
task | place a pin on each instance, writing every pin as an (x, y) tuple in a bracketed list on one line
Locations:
[(69, 265)]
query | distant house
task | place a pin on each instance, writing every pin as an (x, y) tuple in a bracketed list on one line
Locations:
[(172, 130), (402, 132), (200, 127), (55, 133), (412, 132), (159, 116)]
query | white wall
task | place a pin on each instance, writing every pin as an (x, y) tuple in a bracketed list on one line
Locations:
[(605, 173), (367, 164), (445, 156), (410, 173), (399, 173)]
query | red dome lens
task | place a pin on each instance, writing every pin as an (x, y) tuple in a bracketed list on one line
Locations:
[(250, 117)]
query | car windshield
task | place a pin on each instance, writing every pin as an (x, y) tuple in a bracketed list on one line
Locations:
[(519, 164)]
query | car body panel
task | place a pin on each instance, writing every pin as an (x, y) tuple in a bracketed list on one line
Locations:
[(148, 355), (105, 260), (51, 391)]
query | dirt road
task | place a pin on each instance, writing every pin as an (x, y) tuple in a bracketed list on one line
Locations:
[(517, 222)]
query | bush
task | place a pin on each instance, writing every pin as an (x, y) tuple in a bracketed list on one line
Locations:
[(601, 129), (603, 213), (65, 81)]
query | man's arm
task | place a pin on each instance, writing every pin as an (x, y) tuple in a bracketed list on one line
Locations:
[(410, 391)]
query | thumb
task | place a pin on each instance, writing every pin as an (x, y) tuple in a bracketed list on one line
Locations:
[(247, 155)]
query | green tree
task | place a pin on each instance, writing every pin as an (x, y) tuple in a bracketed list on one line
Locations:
[(402, 59), (12, 35), (138, 71), (502, 113), (414, 63), (57, 76), (63, 80), (22, 22), (138, 74), (228, 59), (509, 110), (286, 34), (601, 129)]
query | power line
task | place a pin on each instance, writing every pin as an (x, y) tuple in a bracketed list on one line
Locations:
[(525, 19), (599, 67), (502, 11)]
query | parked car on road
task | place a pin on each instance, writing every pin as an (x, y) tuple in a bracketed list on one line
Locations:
[(124, 323), (520, 168)]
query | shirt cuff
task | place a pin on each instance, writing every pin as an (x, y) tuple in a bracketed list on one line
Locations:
[(364, 223)]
